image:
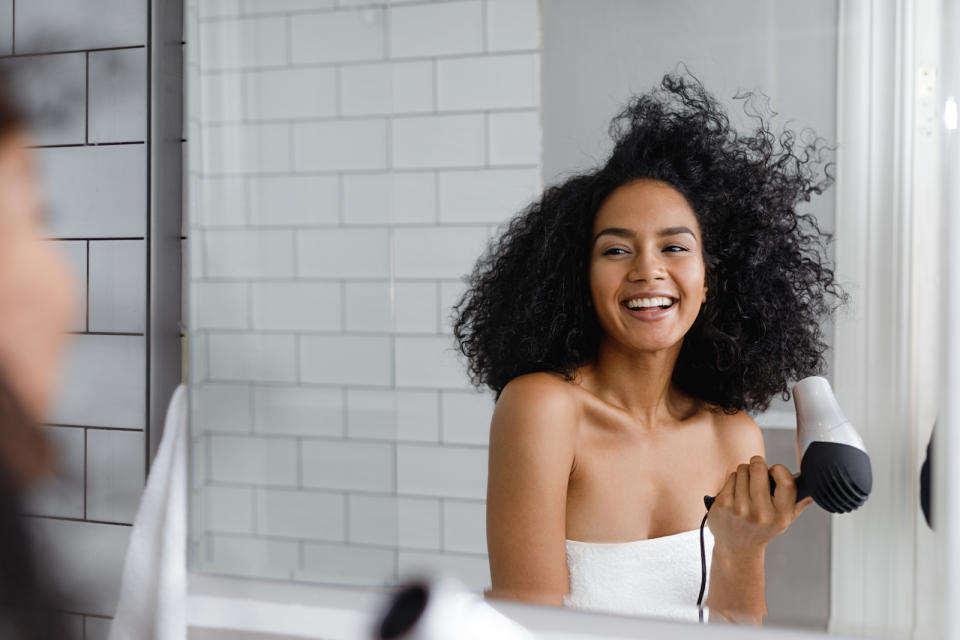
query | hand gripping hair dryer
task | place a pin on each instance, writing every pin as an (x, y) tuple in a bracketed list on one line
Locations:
[(834, 465)]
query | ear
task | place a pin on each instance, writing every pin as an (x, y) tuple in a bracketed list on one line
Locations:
[(704, 295)]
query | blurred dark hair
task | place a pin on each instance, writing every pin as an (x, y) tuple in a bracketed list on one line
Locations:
[(11, 117), (27, 596)]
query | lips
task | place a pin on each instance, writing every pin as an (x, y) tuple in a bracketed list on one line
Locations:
[(652, 313)]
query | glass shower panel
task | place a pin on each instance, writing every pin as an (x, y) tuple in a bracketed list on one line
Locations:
[(292, 326)]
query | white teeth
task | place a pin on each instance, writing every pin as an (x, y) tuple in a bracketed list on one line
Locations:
[(642, 303)]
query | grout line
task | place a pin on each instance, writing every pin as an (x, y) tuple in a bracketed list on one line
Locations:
[(486, 139), (358, 279), (254, 510), (338, 90), (250, 316), (387, 12), (295, 252), (86, 325), (101, 333), (343, 305), (341, 213), (87, 520), (297, 366), (85, 144), (291, 140), (432, 444), (248, 200), (84, 474), (346, 518), (334, 492), (86, 98), (289, 30), (360, 172), (299, 463), (13, 27), (436, 199), (355, 62), (483, 26), (206, 355), (360, 545), (68, 51), (443, 542), (440, 417), (353, 117), (252, 407), (436, 88), (72, 239), (343, 401), (227, 331), (94, 427)]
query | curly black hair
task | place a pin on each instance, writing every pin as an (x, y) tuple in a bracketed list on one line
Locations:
[(770, 284)]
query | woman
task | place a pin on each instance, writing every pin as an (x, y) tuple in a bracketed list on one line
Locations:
[(626, 321), (36, 305)]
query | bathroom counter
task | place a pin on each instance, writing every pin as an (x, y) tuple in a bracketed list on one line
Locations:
[(220, 607)]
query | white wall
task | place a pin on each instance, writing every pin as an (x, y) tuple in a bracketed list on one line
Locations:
[(354, 161)]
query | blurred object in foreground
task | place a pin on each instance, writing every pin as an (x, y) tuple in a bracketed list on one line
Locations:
[(442, 608)]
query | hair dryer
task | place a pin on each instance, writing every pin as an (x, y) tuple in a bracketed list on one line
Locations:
[(834, 465), (439, 608)]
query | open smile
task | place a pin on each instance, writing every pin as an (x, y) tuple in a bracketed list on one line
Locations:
[(650, 309)]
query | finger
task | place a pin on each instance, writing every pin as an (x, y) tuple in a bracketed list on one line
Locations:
[(741, 497), (725, 495), (801, 506), (760, 483), (785, 494)]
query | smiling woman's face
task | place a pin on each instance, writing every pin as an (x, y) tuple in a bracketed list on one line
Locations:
[(647, 246)]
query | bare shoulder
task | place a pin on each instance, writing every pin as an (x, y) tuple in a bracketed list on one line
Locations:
[(532, 451), (739, 435), (536, 403)]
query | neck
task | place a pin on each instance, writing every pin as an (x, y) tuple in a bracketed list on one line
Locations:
[(638, 382)]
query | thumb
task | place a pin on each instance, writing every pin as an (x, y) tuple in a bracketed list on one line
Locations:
[(800, 506)]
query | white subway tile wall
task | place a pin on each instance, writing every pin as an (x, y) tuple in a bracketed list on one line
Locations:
[(62, 494), (6, 27), (95, 191), (88, 557), (355, 158), (115, 474), (118, 90)]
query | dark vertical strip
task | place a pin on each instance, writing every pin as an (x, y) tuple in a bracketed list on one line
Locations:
[(84, 473), (149, 236), (86, 98), (86, 322)]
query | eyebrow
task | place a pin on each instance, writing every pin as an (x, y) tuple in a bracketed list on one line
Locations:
[(628, 233)]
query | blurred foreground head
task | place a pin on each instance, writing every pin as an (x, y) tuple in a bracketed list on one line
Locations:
[(36, 305), (37, 302)]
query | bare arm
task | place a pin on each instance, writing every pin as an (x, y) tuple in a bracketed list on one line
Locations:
[(532, 443), (737, 575), (744, 518)]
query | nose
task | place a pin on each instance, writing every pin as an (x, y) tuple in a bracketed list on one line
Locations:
[(647, 265)]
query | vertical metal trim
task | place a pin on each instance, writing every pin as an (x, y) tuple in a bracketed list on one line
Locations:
[(165, 186)]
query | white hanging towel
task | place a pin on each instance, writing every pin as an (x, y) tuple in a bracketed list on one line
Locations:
[(153, 590)]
